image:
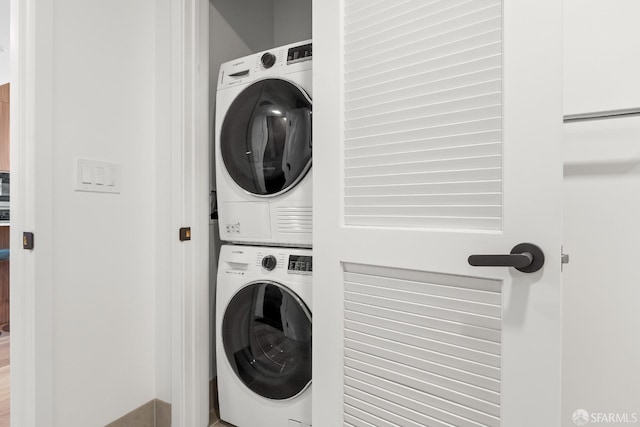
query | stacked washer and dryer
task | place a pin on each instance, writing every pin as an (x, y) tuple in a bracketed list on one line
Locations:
[(263, 299)]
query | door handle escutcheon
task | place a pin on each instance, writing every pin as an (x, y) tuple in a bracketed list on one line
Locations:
[(525, 257)]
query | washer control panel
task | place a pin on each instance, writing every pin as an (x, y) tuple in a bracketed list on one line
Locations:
[(300, 264), (269, 262), (294, 264)]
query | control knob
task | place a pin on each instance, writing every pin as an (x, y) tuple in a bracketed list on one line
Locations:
[(268, 60), (269, 262)]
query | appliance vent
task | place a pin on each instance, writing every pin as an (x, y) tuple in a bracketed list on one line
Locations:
[(421, 349), (423, 123), (295, 219)]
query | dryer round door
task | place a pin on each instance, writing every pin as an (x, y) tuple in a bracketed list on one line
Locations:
[(266, 333), (265, 140)]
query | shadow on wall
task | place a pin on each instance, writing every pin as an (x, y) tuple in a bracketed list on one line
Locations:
[(251, 22), (613, 167), (236, 29)]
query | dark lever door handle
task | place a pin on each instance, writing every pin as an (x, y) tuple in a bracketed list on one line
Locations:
[(525, 257)]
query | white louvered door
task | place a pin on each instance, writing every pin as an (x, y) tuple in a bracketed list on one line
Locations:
[(437, 136)]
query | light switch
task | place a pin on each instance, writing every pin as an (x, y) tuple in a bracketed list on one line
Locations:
[(111, 177), (92, 175), (99, 175), (86, 174)]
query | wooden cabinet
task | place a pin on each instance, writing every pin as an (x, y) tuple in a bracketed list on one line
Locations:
[(4, 279), (4, 231), (4, 127)]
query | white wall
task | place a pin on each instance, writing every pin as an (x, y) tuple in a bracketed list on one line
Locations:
[(237, 29), (601, 349), (4, 41), (163, 240), (602, 47), (292, 21), (104, 245)]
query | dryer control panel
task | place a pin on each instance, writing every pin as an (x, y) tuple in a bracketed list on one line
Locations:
[(299, 53)]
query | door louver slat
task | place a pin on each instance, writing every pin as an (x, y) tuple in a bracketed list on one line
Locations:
[(441, 78), (445, 410), (419, 19), (451, 94), (426, 119), (427, 199), (437, 176), (421, 347), (361, 79), (474, 23)]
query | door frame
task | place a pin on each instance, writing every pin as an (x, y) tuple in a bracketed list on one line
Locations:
[(190, 161), (184, 152), (32, 210)]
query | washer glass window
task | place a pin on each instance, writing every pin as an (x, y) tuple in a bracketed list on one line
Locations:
[(266, 332), (265, 138)]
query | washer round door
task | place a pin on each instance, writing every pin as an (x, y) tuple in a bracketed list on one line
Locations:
[(265, 140), (266, 333)]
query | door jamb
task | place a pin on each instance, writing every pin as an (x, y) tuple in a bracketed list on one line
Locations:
[(189, 171), (31, 287)]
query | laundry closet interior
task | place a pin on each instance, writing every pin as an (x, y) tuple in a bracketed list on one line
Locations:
[(260, 227)]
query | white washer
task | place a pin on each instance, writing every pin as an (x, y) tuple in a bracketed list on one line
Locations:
[(263, 147), (263, 329)]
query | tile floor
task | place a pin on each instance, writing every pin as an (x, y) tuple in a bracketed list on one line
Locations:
[(221, 423), (214, 419)]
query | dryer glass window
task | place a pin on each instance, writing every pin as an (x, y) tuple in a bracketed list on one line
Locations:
[(265, 138), (266, 332)]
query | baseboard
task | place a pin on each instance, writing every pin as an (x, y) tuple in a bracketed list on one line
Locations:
[(155, 413), (163, 413)]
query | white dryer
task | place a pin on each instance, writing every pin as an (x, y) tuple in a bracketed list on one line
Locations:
[(263, 321), (263, 147)]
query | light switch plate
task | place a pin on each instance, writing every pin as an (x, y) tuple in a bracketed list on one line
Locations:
[(96, 176)]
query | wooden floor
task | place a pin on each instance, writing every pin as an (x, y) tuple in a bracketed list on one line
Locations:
[(4, 380)]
